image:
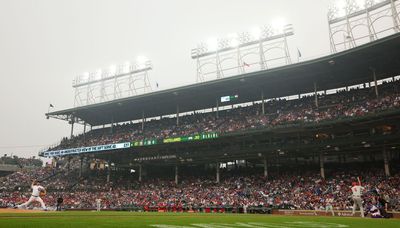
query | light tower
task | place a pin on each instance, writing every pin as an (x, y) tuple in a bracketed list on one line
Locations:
[(355, 22), (115, 82), (261, 48)]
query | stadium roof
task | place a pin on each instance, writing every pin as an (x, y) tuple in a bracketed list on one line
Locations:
[(333, 71)]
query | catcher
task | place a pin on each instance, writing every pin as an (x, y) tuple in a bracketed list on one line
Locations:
[(37, 192)]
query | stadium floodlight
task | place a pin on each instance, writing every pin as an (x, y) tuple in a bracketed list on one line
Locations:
[(95, 87), (361, 4), (113, 70), (258, 40), (346, 15), (84, 77), (126, 67), (278, 25), (98, 74), (256, 33), (141, 62), (341, 8), (212, 44), (369, 3), (233, 40)]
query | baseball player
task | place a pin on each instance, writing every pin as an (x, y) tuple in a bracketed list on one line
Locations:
[(35, 197), (98, 204), (329, 205), (357, 191)]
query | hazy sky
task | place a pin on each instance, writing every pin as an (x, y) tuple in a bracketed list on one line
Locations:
[(44, 44)]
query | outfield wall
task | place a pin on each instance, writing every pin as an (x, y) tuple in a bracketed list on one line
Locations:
[(338, 213), (322, 213)]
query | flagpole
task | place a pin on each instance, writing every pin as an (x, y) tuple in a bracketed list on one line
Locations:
[(50, 106), (298, 55)]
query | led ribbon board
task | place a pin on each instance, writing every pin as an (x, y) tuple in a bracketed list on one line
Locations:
[(229, 98), (89, 149), (198, 137), (116, 146)]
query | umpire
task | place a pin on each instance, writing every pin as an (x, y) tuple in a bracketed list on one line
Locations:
[(60, 200)]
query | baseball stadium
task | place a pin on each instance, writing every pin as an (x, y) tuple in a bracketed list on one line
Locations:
[(261, 139)]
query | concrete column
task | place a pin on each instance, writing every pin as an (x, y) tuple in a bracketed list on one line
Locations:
[(108, 172), (177, 115), (81, 167), (217, 174), (112, 125), (315, 94), (386, 162), (265, 168), (217, 113), (262, 103), (176, 174), (69, 163), (143, 120), (84, 133), (376, 84), (72, 126), (140, 173), (321, 164)]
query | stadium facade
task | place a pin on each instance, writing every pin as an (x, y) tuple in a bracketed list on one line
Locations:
[(370, 137)]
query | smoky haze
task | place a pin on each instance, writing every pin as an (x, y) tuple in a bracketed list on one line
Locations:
[(44, 44)]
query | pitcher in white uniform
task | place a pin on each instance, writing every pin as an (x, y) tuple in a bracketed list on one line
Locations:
[(35, 197), (357, 191)]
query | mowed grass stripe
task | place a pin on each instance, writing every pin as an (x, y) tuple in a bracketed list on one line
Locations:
[(132, 219)]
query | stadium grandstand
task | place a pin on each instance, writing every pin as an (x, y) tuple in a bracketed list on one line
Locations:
[(275, 140), (332, 117)]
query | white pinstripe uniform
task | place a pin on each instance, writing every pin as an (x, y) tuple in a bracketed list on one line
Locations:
[(357, 192), (329, 206), (35, 197)]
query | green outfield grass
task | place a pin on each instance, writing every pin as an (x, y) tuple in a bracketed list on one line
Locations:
[(182, 220)]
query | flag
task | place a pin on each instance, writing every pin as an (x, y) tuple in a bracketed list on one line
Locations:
[(245, 64), (51, 106), (298, 53)]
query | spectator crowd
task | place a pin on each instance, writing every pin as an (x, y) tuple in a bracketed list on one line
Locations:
[(285, 191), (341, 105)]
